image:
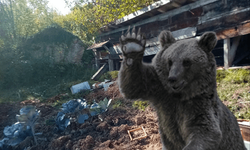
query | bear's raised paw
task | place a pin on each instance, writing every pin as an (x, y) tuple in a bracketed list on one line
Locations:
[(132, 42)]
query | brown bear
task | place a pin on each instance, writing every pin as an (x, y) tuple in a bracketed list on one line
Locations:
[(181, 85)]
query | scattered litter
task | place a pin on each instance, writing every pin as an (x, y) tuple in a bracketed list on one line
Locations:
[(75, 106), (244, 123), (104, 85), (80, 87), (82, 118), (102, 106), (17, 132), (94, 109), (61, 121), (137, 129)]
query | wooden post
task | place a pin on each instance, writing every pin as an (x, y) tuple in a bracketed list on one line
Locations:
[(97, 63), (117, 65), (111, 65), (230, 51), (226, 52)]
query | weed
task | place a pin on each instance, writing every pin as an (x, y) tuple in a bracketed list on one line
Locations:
[(117, 104), (142, 105)]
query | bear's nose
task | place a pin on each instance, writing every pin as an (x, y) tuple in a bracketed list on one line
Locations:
[(172, 79)]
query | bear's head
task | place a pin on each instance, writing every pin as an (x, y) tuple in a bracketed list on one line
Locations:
[(187, 67)]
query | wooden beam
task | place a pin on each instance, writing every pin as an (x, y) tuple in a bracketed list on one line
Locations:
[(230, 51), (175, 4), (162, 10), (226, 52), (241, 29)]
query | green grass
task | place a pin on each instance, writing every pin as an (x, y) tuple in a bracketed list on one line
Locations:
[(233, 87)]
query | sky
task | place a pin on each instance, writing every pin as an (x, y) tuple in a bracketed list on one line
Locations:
[(60, 6)]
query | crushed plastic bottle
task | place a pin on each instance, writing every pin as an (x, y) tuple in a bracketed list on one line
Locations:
[(61, 121), (74, 105), (81, 118)]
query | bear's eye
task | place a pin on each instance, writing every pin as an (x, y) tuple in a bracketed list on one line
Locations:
[(170, 63), (187, 63)]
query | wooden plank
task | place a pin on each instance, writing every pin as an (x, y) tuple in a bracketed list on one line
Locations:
[(238, 67), (226, 52), (241, 29), (211, 16), (138, 138), (184, 33), (101, 71)]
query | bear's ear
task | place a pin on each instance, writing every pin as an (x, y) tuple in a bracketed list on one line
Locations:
[(166, 39), (208, 41)]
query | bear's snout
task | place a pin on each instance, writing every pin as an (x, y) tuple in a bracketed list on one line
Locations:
[(172, 79)]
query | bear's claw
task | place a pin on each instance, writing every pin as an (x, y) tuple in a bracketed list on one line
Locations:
[(132, 42)]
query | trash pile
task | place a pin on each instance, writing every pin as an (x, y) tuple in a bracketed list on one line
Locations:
[(23, 128), (76, 110), (76, 106), (26, 121)]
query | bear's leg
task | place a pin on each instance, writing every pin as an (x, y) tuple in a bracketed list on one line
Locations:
[(135, 77)]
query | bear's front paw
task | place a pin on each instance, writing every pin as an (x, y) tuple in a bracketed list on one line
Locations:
[(132, 42)]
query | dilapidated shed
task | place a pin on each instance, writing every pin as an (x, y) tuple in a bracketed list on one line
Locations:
[(230, 19)]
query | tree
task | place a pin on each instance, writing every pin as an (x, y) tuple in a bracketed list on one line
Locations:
[(90, 16), (21, 19)]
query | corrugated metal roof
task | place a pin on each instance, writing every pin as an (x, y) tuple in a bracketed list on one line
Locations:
[(97, 45), (152, 50)]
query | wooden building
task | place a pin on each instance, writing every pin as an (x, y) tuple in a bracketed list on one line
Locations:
[(230, 19)]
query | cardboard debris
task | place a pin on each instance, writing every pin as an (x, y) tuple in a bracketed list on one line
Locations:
[(138, 138)]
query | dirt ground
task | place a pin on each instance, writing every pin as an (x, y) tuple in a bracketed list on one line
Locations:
[(109, 134)]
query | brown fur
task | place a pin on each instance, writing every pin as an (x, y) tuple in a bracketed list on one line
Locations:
[(181, 85)]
